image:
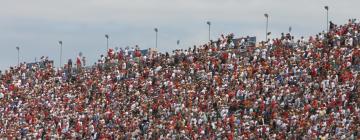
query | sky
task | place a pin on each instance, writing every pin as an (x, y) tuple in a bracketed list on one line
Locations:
[(36, 26)]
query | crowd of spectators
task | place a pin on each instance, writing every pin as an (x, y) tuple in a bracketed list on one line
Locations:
[(280, 89)]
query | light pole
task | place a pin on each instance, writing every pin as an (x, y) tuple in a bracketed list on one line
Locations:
[(267, 24), (156, 37), (60, 43), (18, 54), (209, 23), (327, 17), (107, 42)]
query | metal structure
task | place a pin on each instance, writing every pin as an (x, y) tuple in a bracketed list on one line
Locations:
[(209, 23), (61, 45), (156, 37), (18, 54), (327, 17), (107, 41), (267, 25)]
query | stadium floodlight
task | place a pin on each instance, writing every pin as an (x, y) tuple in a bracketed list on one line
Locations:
[(60, 43), (107, 42), (327, 17), (156, 37), (18, 54), (209, 23), (267, 25)]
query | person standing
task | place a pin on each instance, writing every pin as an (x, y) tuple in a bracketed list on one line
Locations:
[(78, 62), (69, 65)]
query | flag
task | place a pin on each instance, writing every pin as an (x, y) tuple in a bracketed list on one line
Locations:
[(266, 15), (78, 61), (60, 42), (178, 42), (326, 7), (17, 48)]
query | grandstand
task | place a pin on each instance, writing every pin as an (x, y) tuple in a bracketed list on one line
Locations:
[(229, 89)]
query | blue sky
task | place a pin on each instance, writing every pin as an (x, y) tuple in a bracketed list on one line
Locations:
[(37, 25)]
